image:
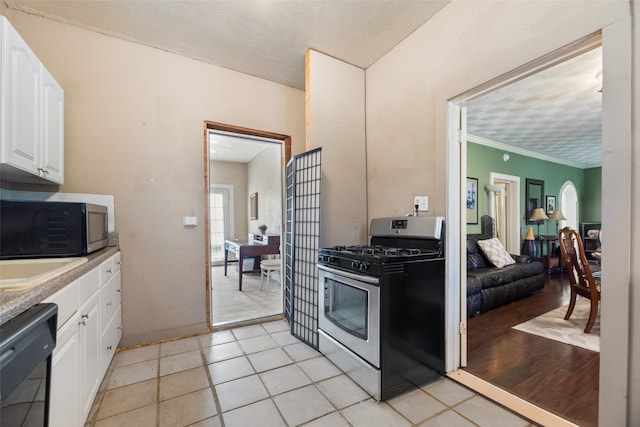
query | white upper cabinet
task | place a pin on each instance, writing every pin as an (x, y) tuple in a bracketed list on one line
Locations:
[(52, 128), (31, 114)]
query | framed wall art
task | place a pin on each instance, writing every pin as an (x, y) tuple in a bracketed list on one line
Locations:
[(472, 200), (550, 203)]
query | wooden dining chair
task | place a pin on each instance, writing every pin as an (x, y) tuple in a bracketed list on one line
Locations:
[(581, 279)]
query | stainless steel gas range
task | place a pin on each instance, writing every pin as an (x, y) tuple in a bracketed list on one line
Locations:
[(381, 307)]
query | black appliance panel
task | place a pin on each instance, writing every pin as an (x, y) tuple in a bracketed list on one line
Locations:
[(32, 229), (26, 344)]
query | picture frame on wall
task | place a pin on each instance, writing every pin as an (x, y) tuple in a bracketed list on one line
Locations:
[(472, 200), (550, 203)]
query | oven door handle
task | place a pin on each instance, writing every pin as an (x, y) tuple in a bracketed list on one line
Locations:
[(358, 277)]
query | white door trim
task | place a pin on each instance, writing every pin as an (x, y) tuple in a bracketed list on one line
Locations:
[(513, 209)]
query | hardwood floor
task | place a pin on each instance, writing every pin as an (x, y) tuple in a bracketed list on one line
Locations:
[(558, 377)]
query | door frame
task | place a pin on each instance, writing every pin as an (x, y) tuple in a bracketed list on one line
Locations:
[(216, 126), (617, 142), (456, 173), (512, 207)]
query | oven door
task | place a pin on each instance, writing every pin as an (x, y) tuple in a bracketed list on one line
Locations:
[(349, 311)]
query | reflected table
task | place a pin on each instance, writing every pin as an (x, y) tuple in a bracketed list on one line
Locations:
[(243, 249)]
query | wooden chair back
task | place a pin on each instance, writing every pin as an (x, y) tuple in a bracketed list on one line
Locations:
[(575, 260)]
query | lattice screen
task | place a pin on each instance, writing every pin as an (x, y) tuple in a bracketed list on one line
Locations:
[(301, 245)]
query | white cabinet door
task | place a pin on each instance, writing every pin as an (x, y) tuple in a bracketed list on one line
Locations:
[(65, 377), (90, 352), (109, 300), (21, 137), (52, 129), (109, 340), (31, 113)]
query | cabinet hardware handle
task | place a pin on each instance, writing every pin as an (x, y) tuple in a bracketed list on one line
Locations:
[(119, 262), (109, 270), (118, 291), (109, 347), (119, 328), (83, 323), (109, 304), (85, 316)]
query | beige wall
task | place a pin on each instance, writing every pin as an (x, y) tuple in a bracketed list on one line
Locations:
[(634, 231), (464, 45), (134, 128), (336, 122), (235, 174), (265, 178)]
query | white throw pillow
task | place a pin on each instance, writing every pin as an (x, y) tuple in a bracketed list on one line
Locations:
[(495, 252)]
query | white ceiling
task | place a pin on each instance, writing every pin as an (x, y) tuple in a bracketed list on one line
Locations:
[(226, 147), (554, 114), (263, 38)]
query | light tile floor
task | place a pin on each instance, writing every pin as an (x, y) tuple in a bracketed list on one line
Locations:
[(231, 305), (260, 375)]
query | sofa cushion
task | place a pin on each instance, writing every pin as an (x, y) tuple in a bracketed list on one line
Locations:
[(495, 252), (492, 277), (475, 258)]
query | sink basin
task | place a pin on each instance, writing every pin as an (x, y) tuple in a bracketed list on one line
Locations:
[(25, 273)]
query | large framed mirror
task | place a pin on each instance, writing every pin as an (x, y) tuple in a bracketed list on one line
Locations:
[(534, 194)]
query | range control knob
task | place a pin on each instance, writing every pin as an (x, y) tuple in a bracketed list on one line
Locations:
[(364, 266), (327, 258), (355, 265)]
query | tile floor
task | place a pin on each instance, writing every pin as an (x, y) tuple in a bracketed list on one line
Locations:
[(230, 305), (260, 375)]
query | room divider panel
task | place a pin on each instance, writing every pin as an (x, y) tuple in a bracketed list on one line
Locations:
[(301, 245)]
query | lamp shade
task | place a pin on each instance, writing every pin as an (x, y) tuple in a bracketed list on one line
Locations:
[(495, 188), (557, 215), (538, 214)]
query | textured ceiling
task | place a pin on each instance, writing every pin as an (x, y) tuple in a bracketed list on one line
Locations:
[(263, 38), (555, 113), (225, 147)]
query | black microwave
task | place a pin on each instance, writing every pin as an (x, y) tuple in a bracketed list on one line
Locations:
[(33, 229)]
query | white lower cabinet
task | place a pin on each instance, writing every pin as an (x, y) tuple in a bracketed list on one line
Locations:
[(86, 343), (90, 345), (65, 377)]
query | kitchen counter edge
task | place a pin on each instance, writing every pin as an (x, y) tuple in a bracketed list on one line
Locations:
[(14, 302)]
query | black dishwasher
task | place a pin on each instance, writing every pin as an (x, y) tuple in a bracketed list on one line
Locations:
[(26, 344)]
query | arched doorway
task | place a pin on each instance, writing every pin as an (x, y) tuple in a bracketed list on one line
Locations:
[(569, 205)]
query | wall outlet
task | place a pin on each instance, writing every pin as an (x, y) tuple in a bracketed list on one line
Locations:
[(422, 202), (190, 221)]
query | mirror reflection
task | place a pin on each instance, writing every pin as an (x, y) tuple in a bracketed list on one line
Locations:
[(534, 194)]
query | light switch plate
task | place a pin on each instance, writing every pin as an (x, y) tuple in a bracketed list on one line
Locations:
[(190, 221), (422, 202)]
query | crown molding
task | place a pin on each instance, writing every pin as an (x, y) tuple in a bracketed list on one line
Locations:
[(529, 153)]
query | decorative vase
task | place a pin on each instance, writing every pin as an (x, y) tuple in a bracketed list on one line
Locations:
[(529, 247)]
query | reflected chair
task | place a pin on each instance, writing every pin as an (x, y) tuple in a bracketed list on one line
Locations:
[(268, 266), (581, 280)]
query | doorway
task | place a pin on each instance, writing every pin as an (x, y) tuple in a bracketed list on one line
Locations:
[(569, 205), (514, 350), (244, 199), (505, 207)]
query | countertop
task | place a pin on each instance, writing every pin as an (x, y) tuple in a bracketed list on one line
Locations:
[(14, 302)]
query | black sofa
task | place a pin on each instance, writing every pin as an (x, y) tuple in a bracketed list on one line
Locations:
[(489, 287)]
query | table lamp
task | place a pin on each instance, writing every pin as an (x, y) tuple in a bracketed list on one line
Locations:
[(539, 215), (556, 215)]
